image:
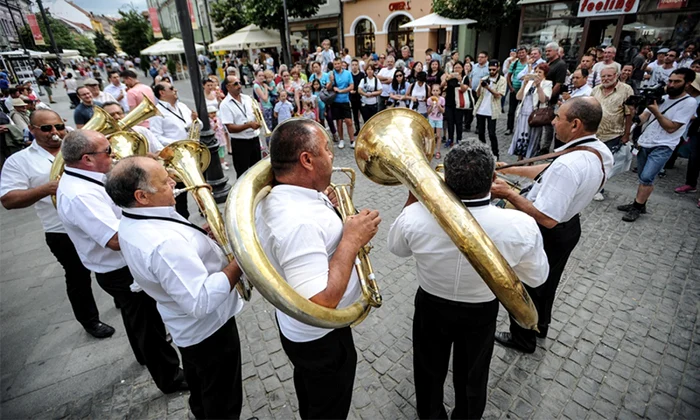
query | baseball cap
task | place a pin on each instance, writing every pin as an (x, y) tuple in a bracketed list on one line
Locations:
[(211, 108), (91, 82)]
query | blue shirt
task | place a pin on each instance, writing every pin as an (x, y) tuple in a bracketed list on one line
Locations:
[(284, 111), (83, 113), (342, 80), (324, 78), (478, 73)]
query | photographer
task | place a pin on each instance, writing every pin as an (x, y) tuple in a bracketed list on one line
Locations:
[(488, 106), (665, 124)]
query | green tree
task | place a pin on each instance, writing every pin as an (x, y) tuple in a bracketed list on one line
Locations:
[(85, 46), (269, 14), (229, 16), (489, 14), (61, 34), (103, 44), (133, 32)]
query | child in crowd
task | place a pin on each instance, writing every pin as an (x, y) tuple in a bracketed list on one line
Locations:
[(283, 108), (316, 90), (436, 109), (308, 111), (219, 134)]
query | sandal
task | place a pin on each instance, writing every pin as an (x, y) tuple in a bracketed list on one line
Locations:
[(438, 156)]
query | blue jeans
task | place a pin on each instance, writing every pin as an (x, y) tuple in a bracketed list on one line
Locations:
[(650, 161)]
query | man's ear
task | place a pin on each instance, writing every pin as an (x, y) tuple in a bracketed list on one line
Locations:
[(141, 197)]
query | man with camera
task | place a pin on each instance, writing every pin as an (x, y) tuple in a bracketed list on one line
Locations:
[(488, 106), (663, 126)]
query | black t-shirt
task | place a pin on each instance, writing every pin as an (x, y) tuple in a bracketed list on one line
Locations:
[(638, 63), (557, 74), (356, 79), (694, 129)]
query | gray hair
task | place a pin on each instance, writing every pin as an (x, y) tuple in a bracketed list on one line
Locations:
[(588, 110), (469, 168), (125, 178), (75, 145), (609, 67), (552, 46), (289, 140)]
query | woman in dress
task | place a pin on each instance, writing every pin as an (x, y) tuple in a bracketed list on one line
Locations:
[(453, 115), (534, 92), (211, 97), (262, 93)]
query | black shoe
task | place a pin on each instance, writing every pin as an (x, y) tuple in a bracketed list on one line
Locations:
[(630, 206), (506, 340), (509, 132), (100, 330), (180, 384), (543, 331), (632, 215), (116, 304)]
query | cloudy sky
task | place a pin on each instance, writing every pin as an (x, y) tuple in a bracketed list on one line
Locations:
[(110, 7)]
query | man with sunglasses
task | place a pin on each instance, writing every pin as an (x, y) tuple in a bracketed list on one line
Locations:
[(176, 117), (24, 182), (243, 129), (91, 220)]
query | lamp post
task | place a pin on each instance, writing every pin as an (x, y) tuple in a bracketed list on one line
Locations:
[(50, 32), (214, 174)]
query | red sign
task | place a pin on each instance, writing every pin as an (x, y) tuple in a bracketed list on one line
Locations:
[(399, 5), (36, 31), (672, 4), (193, 18), (607, 7), (153, 14)]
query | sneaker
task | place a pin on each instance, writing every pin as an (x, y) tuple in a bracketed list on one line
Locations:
[(685, 189), (632, 215), (341, 144), (630, 206), (598, 197), (352, 144)]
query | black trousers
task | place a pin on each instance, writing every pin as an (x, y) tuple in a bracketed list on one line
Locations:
[(454, 119), (324, 374), (78, 280), (438, 325), (482, 122), (468, 119), (558, 242), (691, 175), (246, 153), (213, 372), (181, 202), (368, 111), (74, 100), (513, 103), (355, 106), (144, 328), (381, 101)]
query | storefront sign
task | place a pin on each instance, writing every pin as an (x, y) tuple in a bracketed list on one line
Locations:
[(36, 31), (607, 7), (672, 4), (399, 5), (153, 15)]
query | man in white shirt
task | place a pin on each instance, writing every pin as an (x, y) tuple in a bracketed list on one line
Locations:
[(91, 220), (97, 96), (579, 86), (238, 118), (561, 190), (488, 107), (663, 126), (24, 182), (608, 60), (117, 89), (308, 244), (186, 272), (453, 305), (327, 55), (115, 110), (661, 74), (385, 76)]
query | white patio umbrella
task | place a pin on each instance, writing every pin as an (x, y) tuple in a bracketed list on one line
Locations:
[(434, 19), (154, 49), (103, 55), (176, 46), (252, 36)]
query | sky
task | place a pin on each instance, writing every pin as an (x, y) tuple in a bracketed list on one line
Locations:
[(110, 7)]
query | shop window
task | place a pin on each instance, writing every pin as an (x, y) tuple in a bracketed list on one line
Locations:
[(551, 10), (568, 33), (364, 38), (671, 30), (398, 36)]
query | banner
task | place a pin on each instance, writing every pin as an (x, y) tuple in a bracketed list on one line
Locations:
[(36, 31), (153, 15), (193, 18), (672, 4), (607, 7)]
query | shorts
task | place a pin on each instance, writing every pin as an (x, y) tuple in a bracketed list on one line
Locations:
[(435, 124), (650, 161), (341, 111)]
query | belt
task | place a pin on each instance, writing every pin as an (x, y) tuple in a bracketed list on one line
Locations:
[(246, 138), (443, 301), (563, 225)]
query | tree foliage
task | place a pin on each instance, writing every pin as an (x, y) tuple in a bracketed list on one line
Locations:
[(104, 44), (229, 16), (133, 32), (61, 34), (489, 14), (85, 45)]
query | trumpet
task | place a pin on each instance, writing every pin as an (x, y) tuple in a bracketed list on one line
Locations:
[(261, 120)]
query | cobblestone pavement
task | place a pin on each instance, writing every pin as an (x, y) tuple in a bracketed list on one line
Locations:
[(624, 343)]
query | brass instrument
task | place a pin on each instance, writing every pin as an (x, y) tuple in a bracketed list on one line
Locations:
[(104, 123), (188, 160), (239, 216), (390, 150), (193, 132), (260, 118)]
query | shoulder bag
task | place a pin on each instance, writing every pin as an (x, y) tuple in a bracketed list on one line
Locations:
[(541, 116), (464, 100)]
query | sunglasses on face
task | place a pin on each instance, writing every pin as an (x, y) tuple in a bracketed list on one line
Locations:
[(108, 151), (47, 127), (235, 83)]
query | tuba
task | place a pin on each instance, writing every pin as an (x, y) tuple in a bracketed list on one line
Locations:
[(242, 201), (390, 150), (104, 123), (187, 160)]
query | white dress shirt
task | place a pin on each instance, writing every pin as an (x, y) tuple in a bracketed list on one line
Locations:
[(180, 267), (441, 268), (105, 97), (386, 87), (570, 182), (174, 123), (29, 168), (300, 231), (238, 113), (584, 90), (91, 219), (154, 146), (116, 91)]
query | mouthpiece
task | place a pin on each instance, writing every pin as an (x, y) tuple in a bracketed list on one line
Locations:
[(178, 191), (55, 137)]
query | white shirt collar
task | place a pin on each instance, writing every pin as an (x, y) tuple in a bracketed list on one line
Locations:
[(97, 176), (307, 193), (575, 143), (35, 146)]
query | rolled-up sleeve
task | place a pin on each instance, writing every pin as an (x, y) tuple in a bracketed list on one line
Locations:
[(396, 240), (185, 278)]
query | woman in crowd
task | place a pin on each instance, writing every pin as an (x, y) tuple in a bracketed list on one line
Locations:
[(286, 84), (262, 93), (454, 116), (468, 113), (397, 92), (418, 93), (434, 73), (417, 68), (211, 97), (534, 92), (370, 88)]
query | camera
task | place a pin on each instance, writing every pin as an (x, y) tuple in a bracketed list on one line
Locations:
[(647, 95), (484, 83)]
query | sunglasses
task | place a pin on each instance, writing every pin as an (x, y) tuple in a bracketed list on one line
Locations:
[(47, 127), (235, 83), (108, 151), (399, 75)]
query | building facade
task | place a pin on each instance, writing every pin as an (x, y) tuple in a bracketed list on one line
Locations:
[(324, 25), (12, 20), (167, 17)]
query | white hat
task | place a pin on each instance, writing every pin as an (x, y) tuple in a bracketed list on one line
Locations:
[(696, 82), (211, 108)]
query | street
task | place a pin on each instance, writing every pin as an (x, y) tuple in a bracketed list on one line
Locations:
[(624, 343)]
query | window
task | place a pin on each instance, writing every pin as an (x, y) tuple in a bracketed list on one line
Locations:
[(364, 38), (551, 10), (398, 36)]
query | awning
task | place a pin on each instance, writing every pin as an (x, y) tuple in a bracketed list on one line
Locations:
[(153, 49), (18, 53), (252, 36), (434, 19), (176, 46)]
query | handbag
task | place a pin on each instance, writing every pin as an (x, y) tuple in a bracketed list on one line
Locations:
[(541, 116), (464, 100)]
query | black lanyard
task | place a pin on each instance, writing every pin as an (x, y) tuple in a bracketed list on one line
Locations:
[(166, 219), (180, 117), (83, 177), (477, 203), (245, 115)]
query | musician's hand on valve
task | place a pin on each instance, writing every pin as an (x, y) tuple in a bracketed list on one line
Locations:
[(207, 228), (50, 187), (361, 227), (500, 189), (330, 193)]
